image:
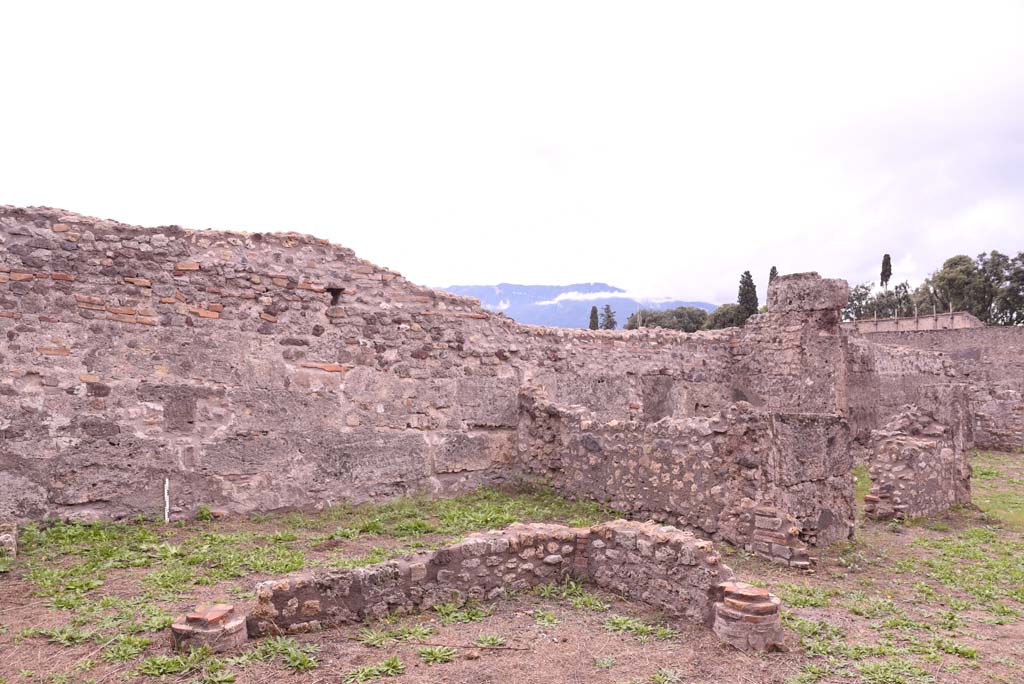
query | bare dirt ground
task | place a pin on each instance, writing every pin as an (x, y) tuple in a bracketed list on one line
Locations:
[(937, 600)]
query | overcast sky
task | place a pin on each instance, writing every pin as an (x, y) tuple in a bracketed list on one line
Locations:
[(660, 147)]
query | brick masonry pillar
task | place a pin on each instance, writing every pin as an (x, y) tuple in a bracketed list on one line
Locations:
[(218, 626)]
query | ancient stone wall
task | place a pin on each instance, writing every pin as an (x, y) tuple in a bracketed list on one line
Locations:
[(918, 468), (268, 371), (990, 362), (260, 372), (882, 379), (662, 566)]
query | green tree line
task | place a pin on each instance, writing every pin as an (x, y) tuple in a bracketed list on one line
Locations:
[(989, 286), (691, 318)]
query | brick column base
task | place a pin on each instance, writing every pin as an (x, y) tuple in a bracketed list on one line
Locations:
[(747, 617)]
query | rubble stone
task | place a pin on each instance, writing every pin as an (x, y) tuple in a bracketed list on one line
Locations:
[(8, 539)]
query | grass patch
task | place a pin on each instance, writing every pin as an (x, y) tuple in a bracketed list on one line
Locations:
[(893, 671), (621, 624), (999, 496), (980, 563), (861, 483), (803, 596)]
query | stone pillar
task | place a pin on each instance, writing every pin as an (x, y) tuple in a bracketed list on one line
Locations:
[(792, 363)]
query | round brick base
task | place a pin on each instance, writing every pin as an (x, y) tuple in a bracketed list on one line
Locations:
[(747, 617), (218, 627)]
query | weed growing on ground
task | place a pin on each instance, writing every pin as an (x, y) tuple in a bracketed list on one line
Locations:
[(666, 676), (125, 647), (286, 650), (801, 596), (453, 612), (392, 667), (378, 638), (893, 671), (574, 592), (436, 655), (545, 618), (620, 624), (490, 641)]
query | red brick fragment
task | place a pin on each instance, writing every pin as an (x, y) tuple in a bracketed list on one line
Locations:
[(328, 367), (54, 351)]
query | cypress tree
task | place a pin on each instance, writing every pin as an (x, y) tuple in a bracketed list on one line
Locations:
[(608, 321), (772, 275), (593, 318), (747, 297), (886, 271)]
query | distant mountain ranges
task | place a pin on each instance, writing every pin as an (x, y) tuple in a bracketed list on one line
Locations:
[(562, 306)]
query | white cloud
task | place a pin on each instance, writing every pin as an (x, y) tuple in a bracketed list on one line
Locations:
[(502, 305), (593, 296)]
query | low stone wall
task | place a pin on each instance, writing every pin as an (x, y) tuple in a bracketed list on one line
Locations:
[(662, 566), (918, 468)]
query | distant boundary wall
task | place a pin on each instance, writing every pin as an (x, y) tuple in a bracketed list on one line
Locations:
[(957, 320)]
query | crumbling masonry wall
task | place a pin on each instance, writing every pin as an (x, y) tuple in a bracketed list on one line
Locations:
[(662, 566), (883, 379), (918, 469), (989, 362), (708, 474), (261, 372)]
